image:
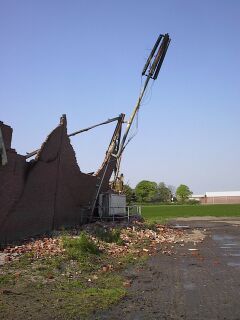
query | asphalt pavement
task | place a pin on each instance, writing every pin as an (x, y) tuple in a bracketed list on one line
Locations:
[(200, 281)]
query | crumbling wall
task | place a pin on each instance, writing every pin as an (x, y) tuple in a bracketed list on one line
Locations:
[(49, 192), (12, 177)]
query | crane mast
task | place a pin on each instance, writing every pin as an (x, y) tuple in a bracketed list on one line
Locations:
[(151, 70)]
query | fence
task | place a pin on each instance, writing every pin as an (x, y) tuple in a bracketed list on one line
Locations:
[(126, 213)]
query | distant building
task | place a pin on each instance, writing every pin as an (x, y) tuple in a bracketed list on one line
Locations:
[(221, 197), (197, 197)]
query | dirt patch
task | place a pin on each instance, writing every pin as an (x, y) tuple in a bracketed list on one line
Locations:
[(194, 236)]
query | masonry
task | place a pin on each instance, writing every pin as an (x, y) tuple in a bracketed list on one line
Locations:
[(49, 192)]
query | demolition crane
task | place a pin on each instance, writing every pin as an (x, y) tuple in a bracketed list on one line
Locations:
[(151, 71)]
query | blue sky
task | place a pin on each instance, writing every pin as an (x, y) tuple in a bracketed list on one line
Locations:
[(84, 58)]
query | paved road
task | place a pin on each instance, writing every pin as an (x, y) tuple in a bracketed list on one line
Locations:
[(193, 284)]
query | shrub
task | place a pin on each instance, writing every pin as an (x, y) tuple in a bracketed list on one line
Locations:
[(77, 248), (108, 235)]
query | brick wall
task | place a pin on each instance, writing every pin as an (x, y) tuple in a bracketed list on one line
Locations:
[(222, 200), (47, 193), (12, 177)]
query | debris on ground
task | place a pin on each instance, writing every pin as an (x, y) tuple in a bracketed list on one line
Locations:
[(38, 248), (83, 270), (132, 236)]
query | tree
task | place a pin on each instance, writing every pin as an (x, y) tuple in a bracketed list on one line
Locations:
[(130, 193), (146, 191), (164, 194), (183, 192), (172, 189)]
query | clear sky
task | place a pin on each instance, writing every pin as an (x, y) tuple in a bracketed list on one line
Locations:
[(84, 58)]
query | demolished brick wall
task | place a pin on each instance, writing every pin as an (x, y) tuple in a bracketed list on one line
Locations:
[(48, 192), (12, 177)]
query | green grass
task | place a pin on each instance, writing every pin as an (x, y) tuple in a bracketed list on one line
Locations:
[(84, 302), (6, 279), (79, 247), (79, 300), (61, 283), (164, 212)]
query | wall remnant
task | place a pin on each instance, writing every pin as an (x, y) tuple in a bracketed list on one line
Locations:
[(48, 192)]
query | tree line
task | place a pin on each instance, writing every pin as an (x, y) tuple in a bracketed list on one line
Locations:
[(150, 192)]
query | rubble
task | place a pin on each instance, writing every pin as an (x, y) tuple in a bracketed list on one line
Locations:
[(136, 238), (38, 248)]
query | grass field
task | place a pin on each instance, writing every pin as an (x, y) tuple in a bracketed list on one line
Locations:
[(164, 212)]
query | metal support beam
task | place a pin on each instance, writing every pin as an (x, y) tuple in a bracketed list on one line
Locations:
[(30, 154), (151, 70), (112, 151), (94, 126)]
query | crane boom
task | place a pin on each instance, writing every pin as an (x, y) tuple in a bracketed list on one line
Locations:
[(151, 71)]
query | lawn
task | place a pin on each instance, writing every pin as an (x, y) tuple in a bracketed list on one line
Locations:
[(163, 212)]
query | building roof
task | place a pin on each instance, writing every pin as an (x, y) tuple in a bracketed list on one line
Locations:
[(197, 196), (223, 194)]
